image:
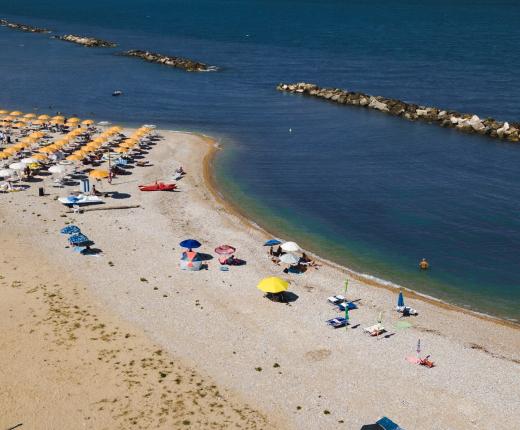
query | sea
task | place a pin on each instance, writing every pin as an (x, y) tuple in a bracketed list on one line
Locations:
[(364, 189)]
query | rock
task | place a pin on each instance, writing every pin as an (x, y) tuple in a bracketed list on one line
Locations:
[(192, 66), (89, 42), (23, 27), (502, 130), (376, 104)]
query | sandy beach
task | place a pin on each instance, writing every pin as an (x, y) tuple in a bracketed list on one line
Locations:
[(241, 360)]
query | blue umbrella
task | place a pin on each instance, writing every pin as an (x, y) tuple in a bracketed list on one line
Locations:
[(78, 238), (272, 242), (400, 299), (70, 229), (190, 243)]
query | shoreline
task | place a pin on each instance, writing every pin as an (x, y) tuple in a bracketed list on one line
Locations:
[(259, 351), (372, 280)]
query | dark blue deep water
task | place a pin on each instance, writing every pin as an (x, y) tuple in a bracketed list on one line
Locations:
[(367, 190)]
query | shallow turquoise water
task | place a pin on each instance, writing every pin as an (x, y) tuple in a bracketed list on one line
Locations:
[(364, 189)]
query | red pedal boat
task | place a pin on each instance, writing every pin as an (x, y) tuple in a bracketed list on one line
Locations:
[(158, 186)]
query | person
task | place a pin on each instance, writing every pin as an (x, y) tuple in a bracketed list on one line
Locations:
[(423, 265), (180, 171), (278, 252)]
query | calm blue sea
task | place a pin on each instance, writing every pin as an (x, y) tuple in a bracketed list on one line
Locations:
[(367, 190)]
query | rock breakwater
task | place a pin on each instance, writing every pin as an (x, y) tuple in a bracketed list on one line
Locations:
[(89, 42), (22, 27), (181, 63), (466, 122)]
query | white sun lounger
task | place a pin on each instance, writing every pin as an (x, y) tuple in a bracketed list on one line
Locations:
[(408, 309), (375, 330), (81, 200), (335, 300)]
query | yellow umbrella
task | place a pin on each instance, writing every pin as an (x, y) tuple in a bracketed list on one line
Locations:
[(10, 151), (15, 113), (3, 112), (8, 118), (18, 146), (73, 120), (128, 145), (19, 125), (3, 155), (81, 152), (39, 157), (58, 118), (44, 117), (87, 122), (90, 147), (38, 122), (48, 149), (121, 150), (29, 115), (272, 285), (98, 174), (37, 134), (57, 121), (75, 157)]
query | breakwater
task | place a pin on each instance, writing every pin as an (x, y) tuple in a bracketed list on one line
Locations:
[(89, 42), (22, 27), (466, 122), (179, 62)]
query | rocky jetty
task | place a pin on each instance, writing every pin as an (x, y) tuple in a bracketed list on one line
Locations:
[(465, 122), (23, 27), (89, 42), (181, 63)]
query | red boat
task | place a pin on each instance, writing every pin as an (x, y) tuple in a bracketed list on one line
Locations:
[(158, 186)]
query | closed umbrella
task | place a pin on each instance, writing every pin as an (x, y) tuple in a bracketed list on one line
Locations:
[(289, 258), (272, 285), (290, 246), (400, 300)]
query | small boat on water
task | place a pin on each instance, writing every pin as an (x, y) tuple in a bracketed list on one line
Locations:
[(158, 186), (117, 93)]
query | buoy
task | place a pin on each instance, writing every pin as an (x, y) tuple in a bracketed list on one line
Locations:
[(423, 265), (290, 130)]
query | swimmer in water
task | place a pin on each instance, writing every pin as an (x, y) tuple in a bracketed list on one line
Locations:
[(423, 265)]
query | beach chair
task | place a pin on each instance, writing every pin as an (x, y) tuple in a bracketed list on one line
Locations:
[(336, 300), (406, 310), (343, 306), (337, 322), (375, 330)]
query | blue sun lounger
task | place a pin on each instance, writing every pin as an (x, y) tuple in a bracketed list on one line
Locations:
[(337, 322)]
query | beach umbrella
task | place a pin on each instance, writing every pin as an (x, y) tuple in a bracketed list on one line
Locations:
[(272, 242), (30, 160), (10, 151), (15, 113), (3, 111), (400, 299), (418, 349), (17, 166), (225, 250), (57, 169), (98, 174), (346, 286), (190, 243), (8, 118), (121, 150), (347, 316), (5, 173), (87, 122), (58, 118), (38, 122), (19, 125), (290, 246), (76, 239), (74, 157), (3, 155), (70, 229), (29, 115), (289, 258), (39, 157), (43, 117), (380, 317), (272, 285), (73, 120)]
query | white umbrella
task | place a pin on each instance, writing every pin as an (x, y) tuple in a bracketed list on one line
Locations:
[(17, 166), (57, 169), (5, 173), (290, 246), (30, 160), (289, 258)]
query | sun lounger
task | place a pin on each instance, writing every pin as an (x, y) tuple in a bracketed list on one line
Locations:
[(344, 305), (375, 330), (82, 199), (335, 300), (337, 322), (406, 310)]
